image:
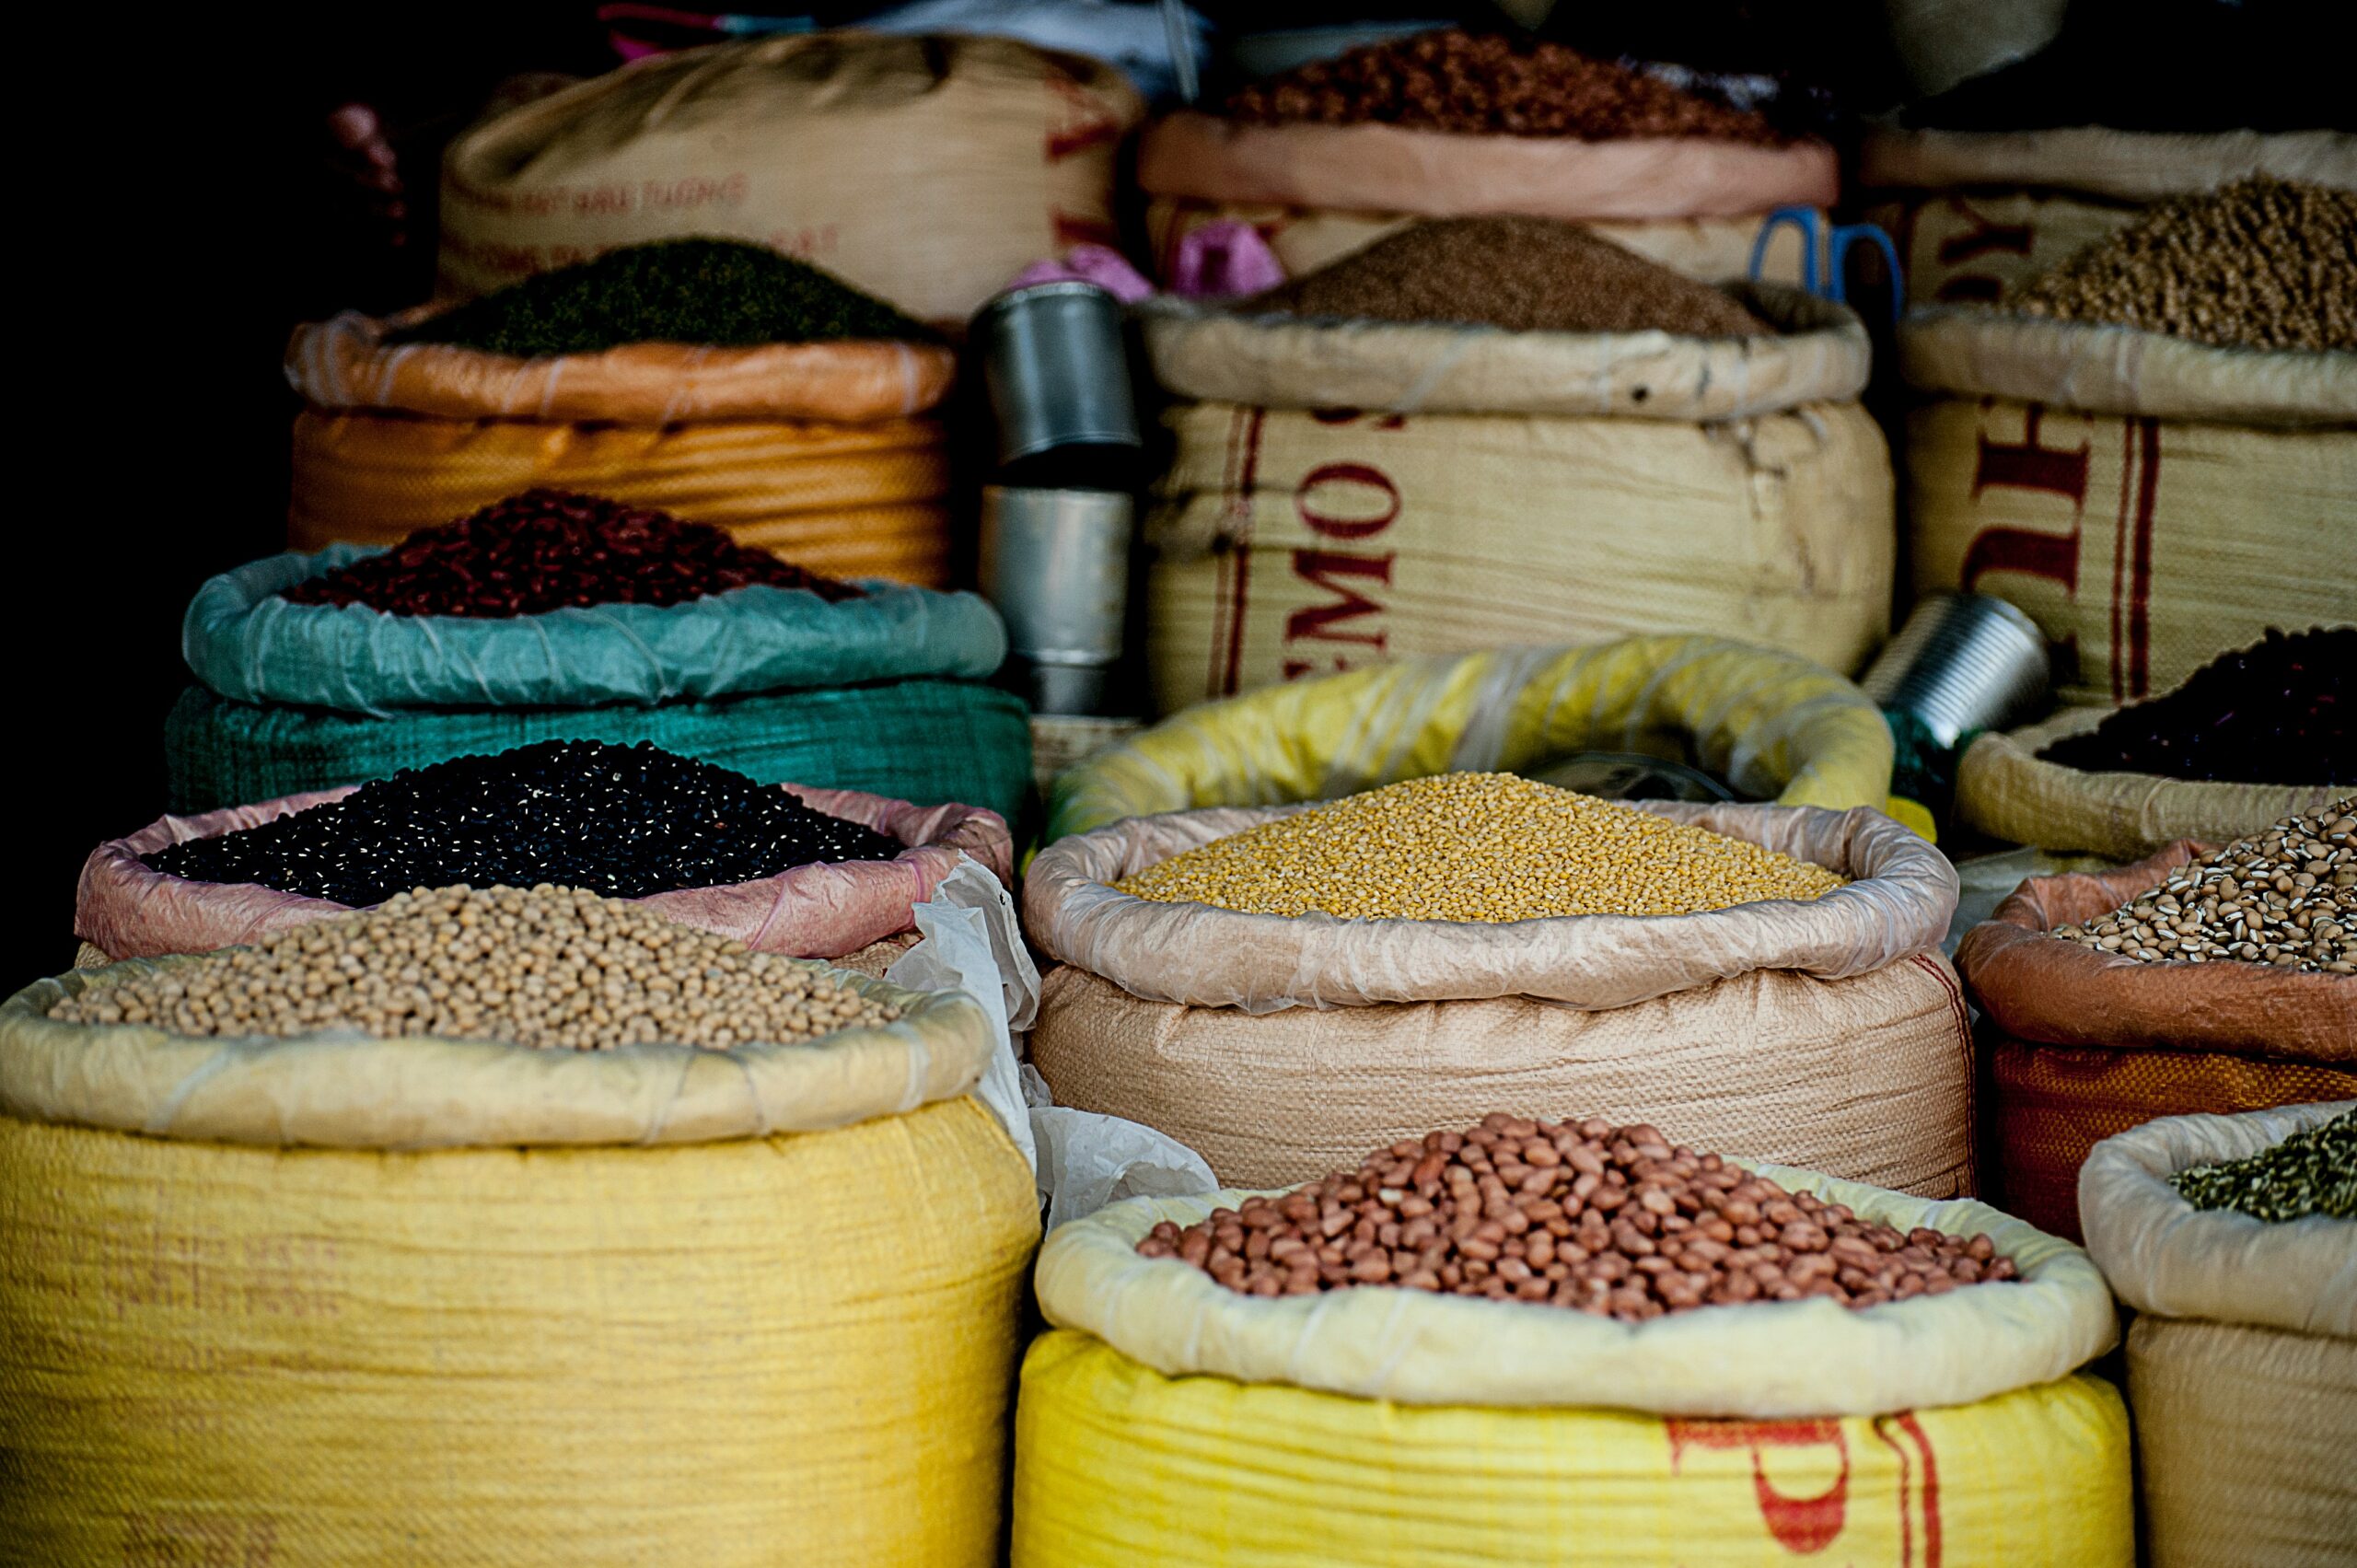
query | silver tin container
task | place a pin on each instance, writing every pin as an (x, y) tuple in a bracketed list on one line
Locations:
[(1963, 662), (1056, 563), (1056, 367)]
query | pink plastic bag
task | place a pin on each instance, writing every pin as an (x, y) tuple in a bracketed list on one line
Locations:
[(1222, 259), (812, 912), (1108, 269)]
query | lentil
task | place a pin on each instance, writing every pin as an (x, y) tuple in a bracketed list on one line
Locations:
[(1613, 1221), (723, 291), (2280, 712), (2259, 263), (2314, 1172), (1450, 80), (1525, 274), (553, 969), (623, 821), (547, 550), (1475, 847), (2286, 897)]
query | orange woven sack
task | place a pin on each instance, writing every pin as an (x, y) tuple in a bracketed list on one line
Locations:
[(2083, 1045)]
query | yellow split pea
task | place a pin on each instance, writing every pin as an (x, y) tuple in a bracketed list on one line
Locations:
[(1477, 847)]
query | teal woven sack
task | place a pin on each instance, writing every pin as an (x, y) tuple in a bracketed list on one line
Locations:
[(927, 741), (245, 642)]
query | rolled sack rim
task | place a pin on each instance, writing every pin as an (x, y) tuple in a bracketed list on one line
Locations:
[(2098, 160), (1769, 1360), (1899, 903)]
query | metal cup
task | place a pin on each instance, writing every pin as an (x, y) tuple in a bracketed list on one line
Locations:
[(1963, 662), (1056, 369), (1057, 564)]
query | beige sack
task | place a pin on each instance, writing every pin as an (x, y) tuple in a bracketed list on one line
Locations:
[(1406, 1026), (2003, 789), (1289, 543), (925, 171), (2241, 1366)]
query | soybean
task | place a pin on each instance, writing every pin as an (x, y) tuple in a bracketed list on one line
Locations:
[(2314, 1172)]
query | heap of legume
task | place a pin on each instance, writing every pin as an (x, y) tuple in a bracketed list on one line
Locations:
[(722, 292), (1614, 1221), (623, 820), (2260, 263), (2313, 1172), (2280, 712), (1477, 847), (553, 967), (2286, 897), (1525, 275), (1454, 80), (547, 550)]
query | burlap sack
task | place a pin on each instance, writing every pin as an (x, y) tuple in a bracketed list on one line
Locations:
[(345, 364), (1818, 353), (1822, 1033), (2083, 1045), (2003, 789), (814, 912), (926, 170), (1389, 168), (1289, 543), (2242, 1364)]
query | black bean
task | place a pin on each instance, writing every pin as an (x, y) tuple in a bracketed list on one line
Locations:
[(2282, 712)]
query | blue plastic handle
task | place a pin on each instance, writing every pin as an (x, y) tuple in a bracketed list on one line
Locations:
[(1811, 227)]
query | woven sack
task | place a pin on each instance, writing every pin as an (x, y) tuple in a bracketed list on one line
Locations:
[(1977, 213), (337, 1300), (927, 170), (244, 641), (2082, 1045), (810, 912), (1773, 725), (2004, 790), (843, 500), (1715, 250), (2150, 502), (2242, 1360), (929, 741), (1280, 1048), (1170, 1421)]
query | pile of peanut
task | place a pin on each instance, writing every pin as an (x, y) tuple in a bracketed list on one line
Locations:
[(553, 967), (1613, 1221)]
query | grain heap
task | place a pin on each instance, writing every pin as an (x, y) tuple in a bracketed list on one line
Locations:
[(627, 821), (722, 292), (1525, 274), (2260, 263), (1613, 1221), (2282, 712), (1477, 847), (2312, 1172), (2287, 897), (553, 967), (548, 549), (1452, 80)]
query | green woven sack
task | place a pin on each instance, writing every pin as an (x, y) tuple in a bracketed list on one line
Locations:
[(929, 741)]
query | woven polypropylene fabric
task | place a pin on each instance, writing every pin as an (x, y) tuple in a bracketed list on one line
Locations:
[(928, 741), (2047, 1107)]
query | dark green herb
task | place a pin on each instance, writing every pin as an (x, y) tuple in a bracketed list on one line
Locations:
[(2313, 1172), (684, 291)]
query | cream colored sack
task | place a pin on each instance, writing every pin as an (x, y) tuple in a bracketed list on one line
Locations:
[(2241, 1366), (2004, 790), (927, 170)]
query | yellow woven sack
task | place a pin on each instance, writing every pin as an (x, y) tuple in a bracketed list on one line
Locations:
[(846, 500), (1173, 1421), (1773, 724), (341, 1301)]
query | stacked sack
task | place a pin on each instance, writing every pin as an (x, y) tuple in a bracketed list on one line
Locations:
[(1488, 432), (719, 379), (873, 686), (2150, 448), (1328, 159), (1829, 1032)]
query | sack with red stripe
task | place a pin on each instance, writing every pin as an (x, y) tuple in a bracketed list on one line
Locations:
[(2150, 502)]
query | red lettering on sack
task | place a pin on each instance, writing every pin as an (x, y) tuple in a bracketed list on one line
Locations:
[(1322, 623), (1980, 240), (1084, 122), (1914, 1432), (1336, 525), (2028, 465), (1800, 1524)]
